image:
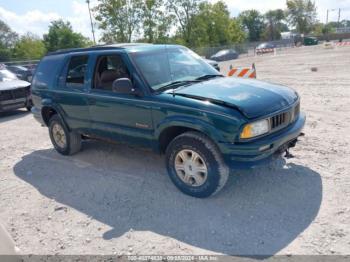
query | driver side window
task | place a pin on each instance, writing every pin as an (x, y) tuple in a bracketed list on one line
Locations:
[(108, 69)]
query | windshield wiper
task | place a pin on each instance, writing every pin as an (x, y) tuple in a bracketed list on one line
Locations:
[(175, 84), (205, 77)]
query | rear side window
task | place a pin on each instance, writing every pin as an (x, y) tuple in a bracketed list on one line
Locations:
[(46, 73), (76, 70)]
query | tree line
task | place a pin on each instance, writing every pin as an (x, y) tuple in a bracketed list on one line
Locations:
[(32, 47), (194, 23), (197, 23)]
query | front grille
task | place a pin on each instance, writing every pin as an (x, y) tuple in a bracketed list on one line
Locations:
[(284, 119), (19, 93), (5, 95), (13, 94), (280, 120)]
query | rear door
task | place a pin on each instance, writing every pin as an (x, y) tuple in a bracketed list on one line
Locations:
[(123, 117), (71, 94)]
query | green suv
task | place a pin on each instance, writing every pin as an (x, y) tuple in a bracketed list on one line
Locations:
[(168, 99)]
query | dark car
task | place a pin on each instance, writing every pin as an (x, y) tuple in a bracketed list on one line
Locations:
[(168, 99), (265, 48), (225, 55), (21, 72), (310, 41), (14, 93), (213, 64), (31, 68)]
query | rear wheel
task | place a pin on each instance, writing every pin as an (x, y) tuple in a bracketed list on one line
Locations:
[(65, 142), (195, 165)]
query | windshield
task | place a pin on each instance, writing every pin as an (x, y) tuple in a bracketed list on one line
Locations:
[(18, 68), (6, 75), (266, 45), (222, 52), (168, 65)]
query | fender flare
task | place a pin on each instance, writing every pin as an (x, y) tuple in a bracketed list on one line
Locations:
[(47, 102), (192, 123)]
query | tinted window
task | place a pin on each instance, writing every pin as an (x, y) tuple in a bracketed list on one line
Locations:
[(266, 45), (47, 72), (17, 68), (76, 70), (222, 52)]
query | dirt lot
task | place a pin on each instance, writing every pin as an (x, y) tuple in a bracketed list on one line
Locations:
[(112, 199)]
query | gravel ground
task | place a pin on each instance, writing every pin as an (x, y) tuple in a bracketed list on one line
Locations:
[(113, 199)]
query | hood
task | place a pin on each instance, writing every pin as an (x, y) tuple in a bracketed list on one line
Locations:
[(10, 85), (253, 98)]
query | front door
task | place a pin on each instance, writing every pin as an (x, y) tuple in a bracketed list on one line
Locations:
[(123, 117)]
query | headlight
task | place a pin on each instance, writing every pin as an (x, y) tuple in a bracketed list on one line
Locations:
[(255, 129)]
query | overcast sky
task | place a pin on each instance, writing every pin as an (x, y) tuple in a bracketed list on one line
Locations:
[(35, 15)]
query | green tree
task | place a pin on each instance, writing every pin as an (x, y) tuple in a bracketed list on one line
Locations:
[(253, 22), (237, 35), (184, 11), (163, 29), (330, 28), (120, 19), (62, 36), (345, 23), (151, 18), (301, 14), (156, 21), (5, 53), (29, 47), (319, 29), (274, 24), (212, 26), (7, 40), (7, 37)]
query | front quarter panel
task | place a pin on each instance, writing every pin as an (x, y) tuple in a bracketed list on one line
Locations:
[(219, 123)]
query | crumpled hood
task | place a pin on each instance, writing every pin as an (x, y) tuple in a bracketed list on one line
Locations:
[(253, 98), (10, 85)]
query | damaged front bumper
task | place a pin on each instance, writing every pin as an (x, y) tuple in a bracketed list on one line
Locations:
[(13, 104), (256, 152)]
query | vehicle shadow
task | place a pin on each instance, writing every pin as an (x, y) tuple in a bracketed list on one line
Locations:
[(12, 115), (259, 212)]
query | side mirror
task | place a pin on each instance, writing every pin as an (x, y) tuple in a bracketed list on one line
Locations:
[(124, 86)]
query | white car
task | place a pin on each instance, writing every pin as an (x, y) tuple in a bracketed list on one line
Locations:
[(14, 93)]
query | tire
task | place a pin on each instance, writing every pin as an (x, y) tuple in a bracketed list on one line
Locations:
[(29, 105), (72, 140), (209, 158)]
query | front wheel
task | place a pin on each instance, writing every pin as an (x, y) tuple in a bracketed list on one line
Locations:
[(65, 142), (195, 165)]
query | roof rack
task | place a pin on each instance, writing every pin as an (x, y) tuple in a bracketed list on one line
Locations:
[(96, 47), (123, 45), (75, 50)]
